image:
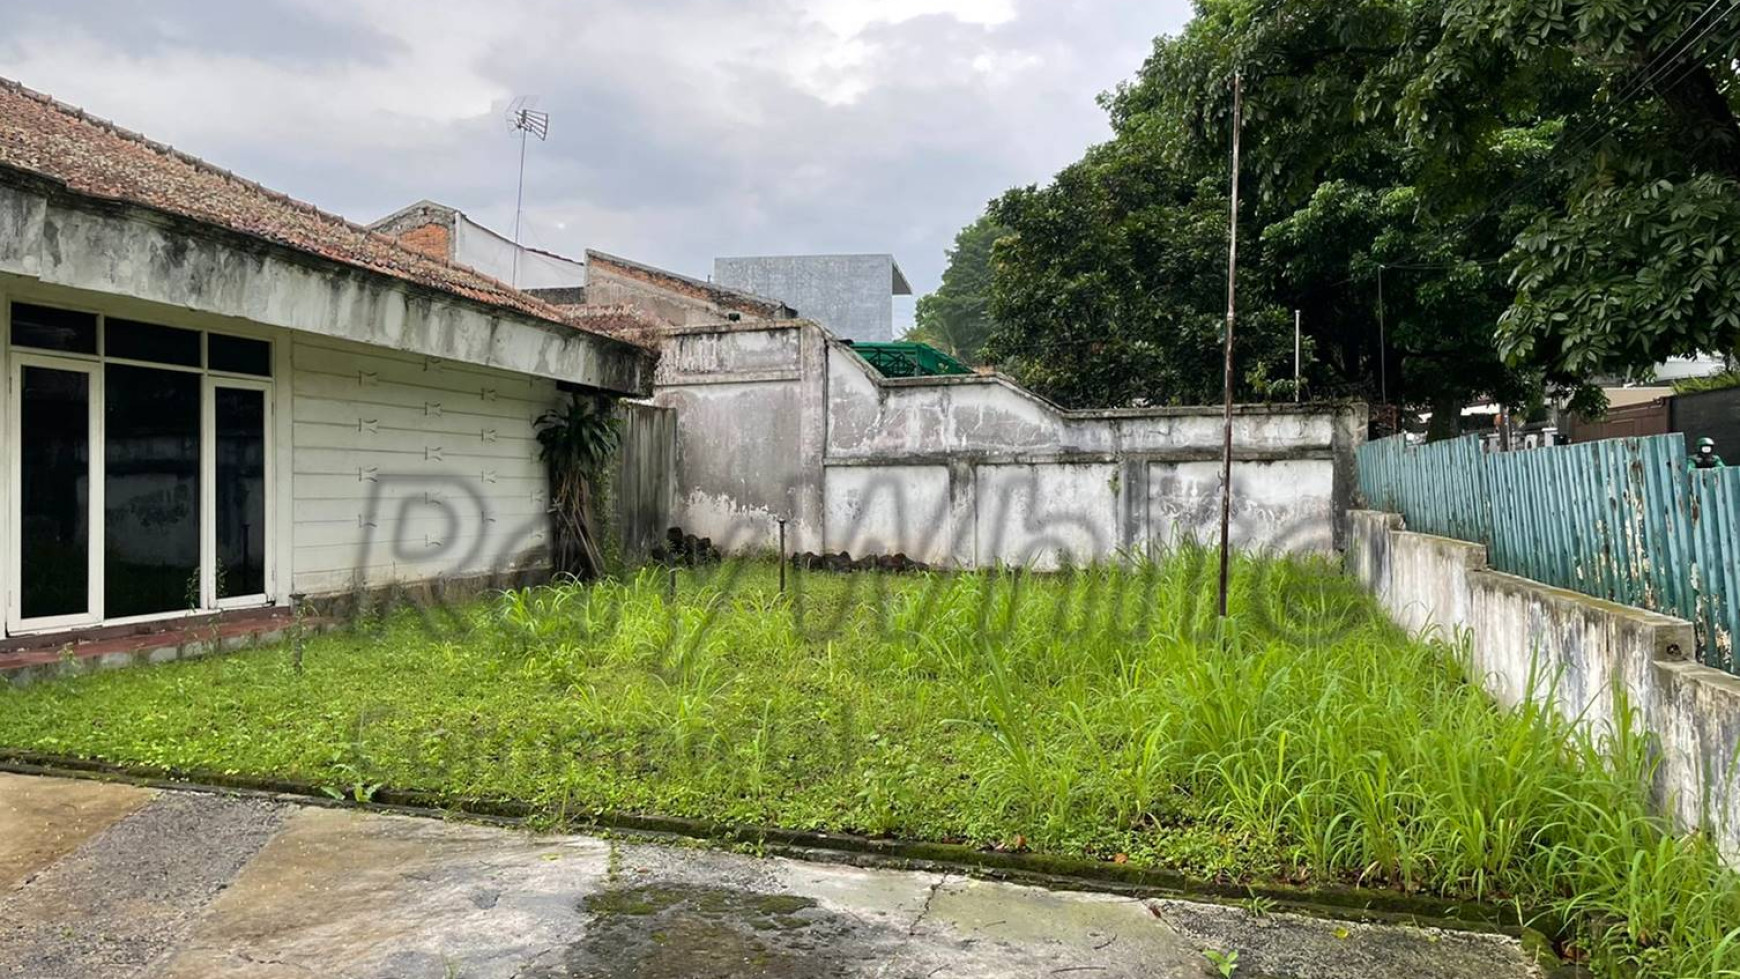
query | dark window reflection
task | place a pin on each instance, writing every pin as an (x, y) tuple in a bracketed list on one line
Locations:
[(150, 491), (238, 355), (54, 492), (241, 491), (47, 328), (132, 340)]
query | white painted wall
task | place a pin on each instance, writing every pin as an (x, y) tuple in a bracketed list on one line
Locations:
[(408, 468), (477, 247), (779, 419), (1525, 638)]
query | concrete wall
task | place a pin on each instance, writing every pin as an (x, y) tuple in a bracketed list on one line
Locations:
[(851, 295), (750, 423), (1583, 646), (781, 420), (477, 247)]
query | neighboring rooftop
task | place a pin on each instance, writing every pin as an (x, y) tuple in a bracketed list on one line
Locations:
[(848, 294), (97, 158), (449, 234), (897, 282)]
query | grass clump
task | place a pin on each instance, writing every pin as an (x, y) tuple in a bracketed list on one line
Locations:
[(1103, 713)]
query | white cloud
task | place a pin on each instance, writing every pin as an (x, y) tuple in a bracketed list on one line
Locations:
[(680, 129)]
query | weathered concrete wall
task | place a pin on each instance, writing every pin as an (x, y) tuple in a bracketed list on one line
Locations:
[(1521, 631), (781, 420), (748, 445), (63, 239)]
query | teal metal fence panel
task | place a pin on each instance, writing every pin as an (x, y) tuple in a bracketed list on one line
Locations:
[(1619, 519)]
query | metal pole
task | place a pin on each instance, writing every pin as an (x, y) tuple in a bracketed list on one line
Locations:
[(1296, 349), (782, 555), (1232, 274), (1383, 353), (296, 630), (519, 204)]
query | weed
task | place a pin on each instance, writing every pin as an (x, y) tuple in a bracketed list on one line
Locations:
[(1226, 963), (1103, 713)]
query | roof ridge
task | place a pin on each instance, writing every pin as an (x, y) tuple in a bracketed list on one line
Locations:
[(164, 149)]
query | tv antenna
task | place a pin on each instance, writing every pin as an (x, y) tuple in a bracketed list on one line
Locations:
[(526, 121)]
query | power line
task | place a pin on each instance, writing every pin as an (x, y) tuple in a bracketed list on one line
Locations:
[(1653, 70)]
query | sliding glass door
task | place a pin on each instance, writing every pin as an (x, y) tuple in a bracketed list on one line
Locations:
[(151, 491), (238, 480), (140, 469), (56, 517)]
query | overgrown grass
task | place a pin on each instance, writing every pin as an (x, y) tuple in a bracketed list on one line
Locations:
[(1104, 713)]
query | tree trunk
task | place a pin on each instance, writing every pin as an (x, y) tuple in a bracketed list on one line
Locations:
[(1446, 418)]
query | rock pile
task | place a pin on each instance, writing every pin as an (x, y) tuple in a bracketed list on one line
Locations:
[(685, 550), (845, 562)]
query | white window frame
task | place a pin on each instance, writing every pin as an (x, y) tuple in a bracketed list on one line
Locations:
[(208, 493), (92, 368)]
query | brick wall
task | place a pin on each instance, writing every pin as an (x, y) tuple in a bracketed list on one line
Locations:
[(433, 240)]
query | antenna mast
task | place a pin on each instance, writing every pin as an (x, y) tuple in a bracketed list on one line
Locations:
[(526, 121)]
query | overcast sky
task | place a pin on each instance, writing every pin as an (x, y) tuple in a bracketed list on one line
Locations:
[(680, 129)]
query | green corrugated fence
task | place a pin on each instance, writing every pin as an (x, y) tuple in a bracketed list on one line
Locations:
[(1620, 519)]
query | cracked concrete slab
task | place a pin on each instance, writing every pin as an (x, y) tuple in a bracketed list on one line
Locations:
[(128, 895), (345, 893), (44, 819), (196, 886)]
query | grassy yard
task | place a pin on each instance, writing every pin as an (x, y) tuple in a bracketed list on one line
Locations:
[(1104, 714)]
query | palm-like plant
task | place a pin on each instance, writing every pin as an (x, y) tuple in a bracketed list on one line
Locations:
[(576, 440)]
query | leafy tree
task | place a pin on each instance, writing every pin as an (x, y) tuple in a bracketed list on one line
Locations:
[(1543, 193), (1630, 259), (956, 318), (576, 441), (1131, 312), (1113, 277)]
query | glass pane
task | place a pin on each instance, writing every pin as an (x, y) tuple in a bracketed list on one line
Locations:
[(241, 491), (133, 340), (150, 491), (47, 328), (54, 492), (239, 355)]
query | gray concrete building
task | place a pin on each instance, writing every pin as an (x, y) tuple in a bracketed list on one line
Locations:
[(851, 295)]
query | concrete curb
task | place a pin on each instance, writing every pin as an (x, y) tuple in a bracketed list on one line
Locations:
[(1533, 929)]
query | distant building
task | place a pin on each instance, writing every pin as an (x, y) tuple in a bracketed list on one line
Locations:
[(851, 295), (445, 233)]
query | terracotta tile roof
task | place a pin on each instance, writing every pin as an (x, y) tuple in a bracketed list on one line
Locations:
[(100, 159)]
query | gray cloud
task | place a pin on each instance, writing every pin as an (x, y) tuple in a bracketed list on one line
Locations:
[(681, 129)]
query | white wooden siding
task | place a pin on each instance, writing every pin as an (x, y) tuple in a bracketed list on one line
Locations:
[(407, 467)]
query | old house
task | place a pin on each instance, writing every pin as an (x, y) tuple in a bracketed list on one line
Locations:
[(217, 396)]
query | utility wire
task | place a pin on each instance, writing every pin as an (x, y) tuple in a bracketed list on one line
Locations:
[(1656, 69)]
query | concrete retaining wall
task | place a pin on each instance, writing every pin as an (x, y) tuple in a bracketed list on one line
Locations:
[(1583, 647), (780, 419)]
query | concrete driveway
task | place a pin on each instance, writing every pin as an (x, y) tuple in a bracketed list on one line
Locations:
[(117, 881)]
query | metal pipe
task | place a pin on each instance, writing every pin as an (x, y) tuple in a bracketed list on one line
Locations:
[(1232, 274)]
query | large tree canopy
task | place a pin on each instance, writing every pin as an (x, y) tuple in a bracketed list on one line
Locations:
[(956, 318), (1629, 260), (1462, 197)]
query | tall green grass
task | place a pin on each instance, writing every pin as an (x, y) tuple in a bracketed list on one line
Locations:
[(1103, 712)]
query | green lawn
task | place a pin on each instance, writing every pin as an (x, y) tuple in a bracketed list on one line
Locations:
[(1103, 714)]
